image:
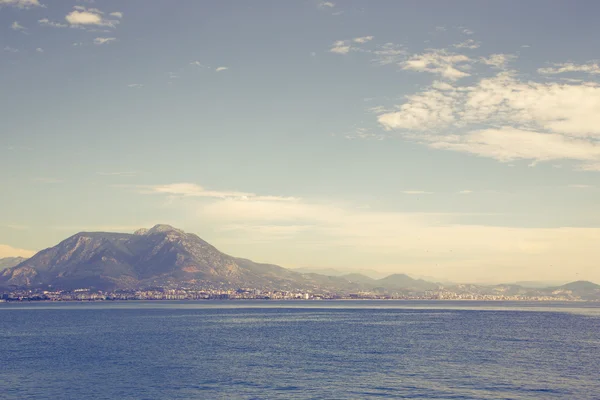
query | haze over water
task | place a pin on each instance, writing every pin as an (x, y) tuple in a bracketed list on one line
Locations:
[(300, 350)]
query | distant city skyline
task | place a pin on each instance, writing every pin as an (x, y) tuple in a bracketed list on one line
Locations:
[(454, 140)]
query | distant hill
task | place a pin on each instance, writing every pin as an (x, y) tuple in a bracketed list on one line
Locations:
[(403, 281), (360, 278), (341, 272), (8, 262), (584, 289), (538, 284)]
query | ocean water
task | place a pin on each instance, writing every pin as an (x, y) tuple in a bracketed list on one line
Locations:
[(299, 350)]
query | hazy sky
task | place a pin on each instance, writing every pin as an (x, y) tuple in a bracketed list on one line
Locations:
[(452, 139)]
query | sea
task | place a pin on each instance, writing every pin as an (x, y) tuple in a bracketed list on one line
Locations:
[(299, 350)]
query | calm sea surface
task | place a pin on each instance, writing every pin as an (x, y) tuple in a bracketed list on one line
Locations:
[(299, 350)]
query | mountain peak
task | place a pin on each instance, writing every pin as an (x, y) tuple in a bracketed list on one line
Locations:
[(161, 228)]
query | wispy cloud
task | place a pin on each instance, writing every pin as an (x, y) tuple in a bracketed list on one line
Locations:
[(186, 189), (501, 117), (326, 4), (11, 49), (441, 62), (561, 68), (363, 39), (118, 173), (117, 14), (39, 50), (104, 40), (388, 53), (219, 69), (345, 46), (16, 26), (340, 47), (47, 23), (499, 61), (416, 192), (468, 44), (21, 3)]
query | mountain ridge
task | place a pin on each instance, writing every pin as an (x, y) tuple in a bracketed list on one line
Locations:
[(164, 256)]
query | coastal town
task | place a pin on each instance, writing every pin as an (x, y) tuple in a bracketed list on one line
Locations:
[(257, 294)]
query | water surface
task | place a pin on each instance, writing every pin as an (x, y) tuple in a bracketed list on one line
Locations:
[(300, 350)]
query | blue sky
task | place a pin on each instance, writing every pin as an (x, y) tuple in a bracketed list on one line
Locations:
[(458, 140)]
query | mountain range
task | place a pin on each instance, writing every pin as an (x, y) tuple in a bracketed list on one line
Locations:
[(168, 257)]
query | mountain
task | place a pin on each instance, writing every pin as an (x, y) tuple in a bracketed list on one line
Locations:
[(162, 255), (8, 262), (338, 272), (538, 284), (583, 289), (403, 281), (360, 278)]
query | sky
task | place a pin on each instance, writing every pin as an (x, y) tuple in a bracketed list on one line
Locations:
[(456, 140)]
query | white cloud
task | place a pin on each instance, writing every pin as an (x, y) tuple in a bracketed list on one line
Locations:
[(506, 119), (326, 4), (135, 85), (197, 64), (346, 46), (440, 62), (465, 192), (16, 26), (363, 39), (193, 190), (21, 3), (119, 173), (103, 40), (423, 111), (468, 44), (81, 16), (499, 61), (340, 49), (11, 49), (9, 251), (39, 50), (509, 144), (46, 22), (415, 192), (580, 186), (117, 14), (219, 69), (388, 53), (590, 68)]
